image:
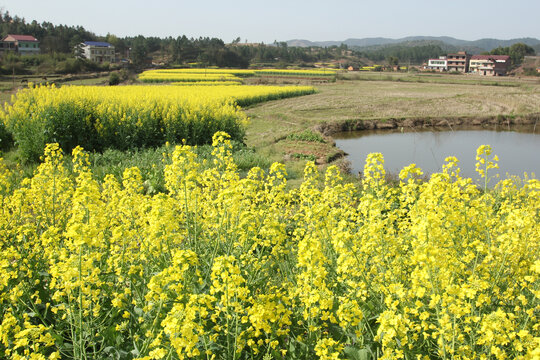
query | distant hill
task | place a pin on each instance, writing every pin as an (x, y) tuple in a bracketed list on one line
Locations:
[(475, 46)]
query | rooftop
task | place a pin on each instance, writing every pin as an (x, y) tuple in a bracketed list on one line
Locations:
[(490, 57), (97, 43), (20, 38)]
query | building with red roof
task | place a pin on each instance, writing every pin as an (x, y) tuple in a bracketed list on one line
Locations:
[(20, 44), (489, 65)]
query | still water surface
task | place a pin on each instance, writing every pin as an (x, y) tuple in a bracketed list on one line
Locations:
[(518, 150)]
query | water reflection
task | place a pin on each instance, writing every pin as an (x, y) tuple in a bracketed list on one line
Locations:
[(518, 149)]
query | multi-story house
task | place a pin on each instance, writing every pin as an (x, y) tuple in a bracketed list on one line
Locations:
[(440, 64), (458, 62), (490, 65), (98, 51), (20, 44)]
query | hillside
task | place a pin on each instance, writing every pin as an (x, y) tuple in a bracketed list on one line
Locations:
[(475, 46)]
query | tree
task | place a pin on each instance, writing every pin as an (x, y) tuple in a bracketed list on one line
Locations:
[(518, 51), (138, 51), (78, 51), (392, 60), (229, 58)]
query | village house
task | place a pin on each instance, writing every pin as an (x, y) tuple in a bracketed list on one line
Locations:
[(20, 44), (458, 62), (440, 64), (98, 51), (489, 65)]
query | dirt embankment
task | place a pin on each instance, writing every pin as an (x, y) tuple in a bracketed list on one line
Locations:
[(328, 129)]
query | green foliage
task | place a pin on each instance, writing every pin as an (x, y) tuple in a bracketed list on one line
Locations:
[(114, 79), (181, 50), (63, 123), (52, 38), (516, 52), (247, 158), (392, 61), (6, 140), (13, 64), (151, 162), (403, 52), (357, 354), (531, 72), (307, 135), (300, 156), (57, 63), (139, 51)]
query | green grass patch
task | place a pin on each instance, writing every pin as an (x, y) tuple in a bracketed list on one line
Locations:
[(150, 161), (307, 135), (301, 156)]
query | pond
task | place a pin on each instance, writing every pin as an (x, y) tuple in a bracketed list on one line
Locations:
[(518, 149)]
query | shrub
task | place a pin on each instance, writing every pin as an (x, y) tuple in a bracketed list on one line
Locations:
[(531, 72), (307, 135), (114, 78), (301, 156)]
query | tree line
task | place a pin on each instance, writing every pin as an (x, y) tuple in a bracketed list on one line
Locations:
[(63, 39), (517, 52), (58, 42), (416, 54)]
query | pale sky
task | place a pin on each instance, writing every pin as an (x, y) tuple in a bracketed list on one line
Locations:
[(315, 20)]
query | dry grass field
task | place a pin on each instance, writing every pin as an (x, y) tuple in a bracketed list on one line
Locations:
[(396, 97), (382, 100)]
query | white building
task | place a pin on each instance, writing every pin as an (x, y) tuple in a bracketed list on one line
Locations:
[(98, 51), (440, 64)]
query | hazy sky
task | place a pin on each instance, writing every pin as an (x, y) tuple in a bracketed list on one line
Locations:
[(266, 21)]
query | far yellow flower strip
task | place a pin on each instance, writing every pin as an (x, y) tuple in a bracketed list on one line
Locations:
[(151, 76), (170, 75)]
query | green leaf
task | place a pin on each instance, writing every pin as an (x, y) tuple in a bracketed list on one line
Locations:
[(138, 311), (357, 354)]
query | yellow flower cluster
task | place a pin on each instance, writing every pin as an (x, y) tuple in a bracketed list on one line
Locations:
[(204, 83), (174, 76), (218, 71), (211, 75), (370, 68), (131, 116), (224, 267)]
